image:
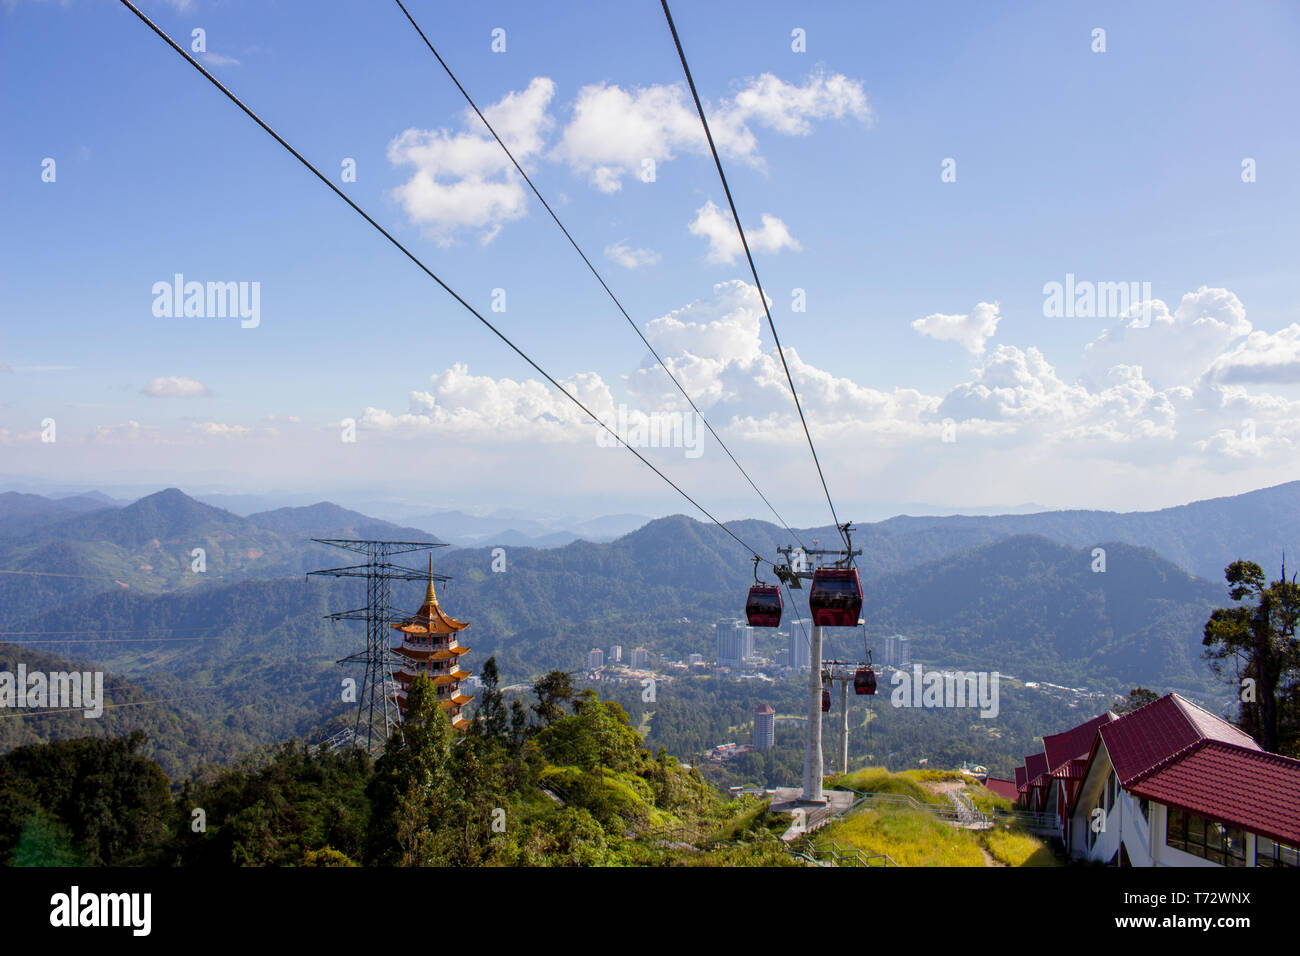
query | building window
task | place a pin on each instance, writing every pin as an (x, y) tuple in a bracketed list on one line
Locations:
[(1145, 806), (1207, 839), (1270, 853)]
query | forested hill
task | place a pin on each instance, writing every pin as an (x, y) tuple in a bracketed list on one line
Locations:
[(247, 636), (1202, 537)]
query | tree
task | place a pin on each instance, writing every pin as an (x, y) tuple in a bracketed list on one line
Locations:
[(518, 725), (1137, 697), (552, 690), (414, 793), (1259, 637), (492, 719)]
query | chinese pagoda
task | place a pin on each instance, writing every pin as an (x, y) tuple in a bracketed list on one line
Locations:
[(429, 646)]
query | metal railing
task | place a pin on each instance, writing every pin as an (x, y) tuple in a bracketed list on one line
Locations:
[(836, 854)]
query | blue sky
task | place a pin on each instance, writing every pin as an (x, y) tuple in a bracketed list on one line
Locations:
[(1115, 166)]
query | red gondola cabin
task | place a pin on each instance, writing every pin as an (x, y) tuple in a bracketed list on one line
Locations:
[(763, 606), (826, 700), (836, 597), (864, 681)]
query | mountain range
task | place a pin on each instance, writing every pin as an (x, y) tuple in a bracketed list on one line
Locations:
[(116, 586)]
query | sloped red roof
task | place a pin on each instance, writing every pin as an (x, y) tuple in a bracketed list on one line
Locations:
[(762, 710), (1022, 778), (1244, 787), (1075, 742), (1071, 769), (1036, 767), (1141, 741), (1003, 788)]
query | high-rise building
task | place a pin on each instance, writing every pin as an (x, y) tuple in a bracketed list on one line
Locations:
[(764, 727), (616, 654), (640, 659), (800, 645), (735, 643), (898, 650), (595, 658)]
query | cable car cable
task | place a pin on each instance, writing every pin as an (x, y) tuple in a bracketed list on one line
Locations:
[(599, 278), (681, 53), (427, 271)]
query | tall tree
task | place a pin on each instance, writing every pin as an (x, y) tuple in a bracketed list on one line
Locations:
[(415, 793), (552, 690), (1259, 638), (492, 719)]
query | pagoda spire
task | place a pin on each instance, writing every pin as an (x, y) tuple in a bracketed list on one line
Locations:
[(431, 596)]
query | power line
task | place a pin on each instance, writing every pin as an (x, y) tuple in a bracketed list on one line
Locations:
[(427, 271), (109, 640), (120, 630), (599, 278), (699, 107), (43, 711)]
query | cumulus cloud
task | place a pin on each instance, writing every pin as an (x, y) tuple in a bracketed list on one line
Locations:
[(463, 181), (631, 258), (175, 387), (1020, 386), (220, 429), (1175, 347), (971, 331), (1016, 408), (1261, 358), (719, 229), (614, 132), (479, 407)]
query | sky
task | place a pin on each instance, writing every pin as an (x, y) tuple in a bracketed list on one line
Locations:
[(912, 178)]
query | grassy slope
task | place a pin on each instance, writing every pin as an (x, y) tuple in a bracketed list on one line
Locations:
[(915, 838)]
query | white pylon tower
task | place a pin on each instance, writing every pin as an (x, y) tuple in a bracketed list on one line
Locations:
[(794, 572), (812, 755)]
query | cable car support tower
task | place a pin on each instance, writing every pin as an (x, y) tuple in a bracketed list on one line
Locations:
[(793, 573)]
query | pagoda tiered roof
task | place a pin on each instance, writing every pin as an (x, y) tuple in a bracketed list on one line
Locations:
[(430, 618)]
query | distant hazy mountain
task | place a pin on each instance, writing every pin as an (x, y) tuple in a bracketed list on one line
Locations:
[(150, 545), (1035, 608), (506, 526), (1202, 537), (21, 514), (327, 520)]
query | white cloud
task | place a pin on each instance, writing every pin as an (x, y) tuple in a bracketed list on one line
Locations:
[(220, 430), (1173, 348), (175, 387), (482, 408), (971, 331), (1261, 358), (719, 229), (464, 181), (127, 432), (613, 131), (787, 109), (631, 258), (218, 59)]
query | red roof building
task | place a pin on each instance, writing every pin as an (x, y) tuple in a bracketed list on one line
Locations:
[(1038, 781), (1171, 784), (1003, 788), (1067, 755)]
